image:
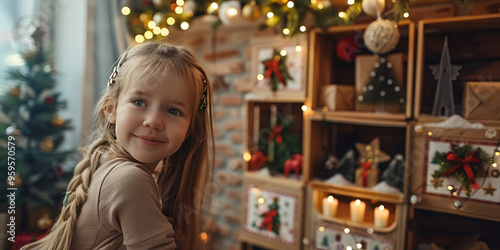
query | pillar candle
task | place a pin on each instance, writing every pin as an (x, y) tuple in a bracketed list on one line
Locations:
[(381, 216), (330, 206), (357, 210)]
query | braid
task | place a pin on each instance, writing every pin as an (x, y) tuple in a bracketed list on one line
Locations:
[(61, 234)]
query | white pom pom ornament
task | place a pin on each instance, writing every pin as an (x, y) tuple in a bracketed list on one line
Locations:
[(381, 36), (373, 7)]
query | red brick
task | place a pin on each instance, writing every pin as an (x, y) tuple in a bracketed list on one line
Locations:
[(237, 138), (224, 149), (235, 164), (231, 100), (233, 125), (219, 55), (226, 67), (244, 84), (234, 195), (220, 113), (232, 218)]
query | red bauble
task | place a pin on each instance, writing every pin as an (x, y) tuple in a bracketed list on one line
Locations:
[(347, 49), (50, 99)]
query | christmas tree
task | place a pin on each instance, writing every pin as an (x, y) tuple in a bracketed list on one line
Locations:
[(394, 174), (382, 86), (31, 132)]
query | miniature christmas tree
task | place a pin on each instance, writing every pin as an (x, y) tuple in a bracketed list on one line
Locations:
[(382, 86), (395, 172), (271, 218), (31, 131)]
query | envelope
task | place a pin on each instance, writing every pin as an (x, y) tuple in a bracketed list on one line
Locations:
[(482, 100)]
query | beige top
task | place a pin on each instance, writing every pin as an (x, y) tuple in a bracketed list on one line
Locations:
[(123, 211)]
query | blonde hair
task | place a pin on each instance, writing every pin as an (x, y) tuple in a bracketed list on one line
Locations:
[(183, 176)]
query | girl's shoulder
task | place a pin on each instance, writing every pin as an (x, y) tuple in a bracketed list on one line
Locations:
[(122, 174)]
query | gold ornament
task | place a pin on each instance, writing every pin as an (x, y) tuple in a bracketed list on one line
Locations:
[(57, 121), (251, 11), (15, 91), (372, 153), (282, 2), (46, 145), (14, 181), (45, 222), (489, 189)]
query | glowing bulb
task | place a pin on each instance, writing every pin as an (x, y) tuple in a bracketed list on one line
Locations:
[(260, 77), (214, 6), (359, 245), (497, 153), (247, 156), (342, 14), (325, 108), (156, 30), (450, 187), (348, 248), (321, 229), (357, 202), (406, 15), (151, 24), (184, 25), (260, 200), (125, 10), (350, 2), (320, 6), (298, 48), (139, 38), (290, 4), (283, 52), (302, 28), (286, 31), (429, 133), (232, 12), (204, 237), (269, 14), (179, 10), (304, 107), (148, 34), (164, 32), (347, 230), (179, 2), (170, 21), (494, 164)]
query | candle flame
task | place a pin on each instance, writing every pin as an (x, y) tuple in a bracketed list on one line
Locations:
[(330, 198), (381, 207), (358, 202)]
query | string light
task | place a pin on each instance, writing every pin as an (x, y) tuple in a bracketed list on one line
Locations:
[(321, 229), (164, 32), (302, 28), (290, 4), (156, 30), (270, 14), (304, 108), (406, 15), (359, 245), (325, 108), (261, 200), (347, 230), (148, 34), (212, 8), (298, 48), (342, 14), (184, 25), (170, 21), (283, 52), (139, 38), (179, 2), (151, 24), (260, 77), (179, 10), (232, 12), (350, 2), (286, 31), (125, 10)]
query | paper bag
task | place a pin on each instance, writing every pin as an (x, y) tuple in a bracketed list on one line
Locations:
[(482, 100), (338, 97)]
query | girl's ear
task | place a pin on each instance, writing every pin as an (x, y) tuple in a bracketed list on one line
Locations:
[(110, 112)]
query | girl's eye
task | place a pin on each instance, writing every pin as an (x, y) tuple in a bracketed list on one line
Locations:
[(139, 102), (174, 112)]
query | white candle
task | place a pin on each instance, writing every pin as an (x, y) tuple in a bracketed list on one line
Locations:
[(330, 205), (381, 216), (357, 210)]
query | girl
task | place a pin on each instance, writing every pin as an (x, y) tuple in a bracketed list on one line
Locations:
[(154, 115)]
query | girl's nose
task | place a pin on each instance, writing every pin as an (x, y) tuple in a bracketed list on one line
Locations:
[(154, 120)]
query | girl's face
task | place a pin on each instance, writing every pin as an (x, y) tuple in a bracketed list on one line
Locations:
[(152, 117)]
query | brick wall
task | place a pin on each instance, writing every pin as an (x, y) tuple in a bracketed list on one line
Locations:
[(225, 54)]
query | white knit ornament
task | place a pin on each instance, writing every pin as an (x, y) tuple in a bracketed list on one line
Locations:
[(373, 7), (381, 36), (226, 10)]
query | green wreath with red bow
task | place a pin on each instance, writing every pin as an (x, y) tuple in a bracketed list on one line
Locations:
[(276, 70), (464, 163)]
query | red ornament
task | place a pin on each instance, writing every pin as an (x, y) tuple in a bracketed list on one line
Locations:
[(257, 161), (347, 49), (293, 164), (50, 99)]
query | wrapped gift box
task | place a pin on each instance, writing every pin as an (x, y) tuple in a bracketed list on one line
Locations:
[(338, 97), (481, 100), (367, 177)]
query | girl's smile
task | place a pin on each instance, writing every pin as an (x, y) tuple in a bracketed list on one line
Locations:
[(149, 141)]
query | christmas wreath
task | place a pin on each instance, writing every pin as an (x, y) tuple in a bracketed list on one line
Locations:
[(463, 163), (276, 70)]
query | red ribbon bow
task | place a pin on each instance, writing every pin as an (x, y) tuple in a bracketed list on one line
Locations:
[(272, 67), (276, 132), (465, 163), (268, 221), (366, 167)]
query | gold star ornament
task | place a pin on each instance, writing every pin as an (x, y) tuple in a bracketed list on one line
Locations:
[(371, 153), (489, 189)]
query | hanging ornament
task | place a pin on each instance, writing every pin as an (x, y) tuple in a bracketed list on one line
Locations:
[(160, 4), (251, 11), (458, 204), (15, 91), (347, 49), (280, 2), (12, 130), (415, 199), (14, 181), (45, 222), (46, 145), (229, 11), (373, 7), (381, 36), (57, 120)]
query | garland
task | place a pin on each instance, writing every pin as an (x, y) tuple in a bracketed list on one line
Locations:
[(463, 163)]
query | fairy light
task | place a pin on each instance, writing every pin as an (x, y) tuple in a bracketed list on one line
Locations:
[(320, 6), (179, 2), (260, 77), (494, 164), (348, 248), (302, 28), (139, 38), (347, 230), (184, 25), (247, 156), (170, 21), (321, 229), (204, 237), (125, 10), (270, 14), (151, 24), (164, 32), (450, 187), (148, 34), (325, 108), (179, 10), (286, 31), (156, 30), (429, 133), (304, 108), (232, 12), (283, 52), (342, 14), (350, 2), (298, 48), (261, 200), (290, 4), (359, 245), (406, 15)]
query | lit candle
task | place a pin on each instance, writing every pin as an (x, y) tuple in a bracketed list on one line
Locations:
[(357, 210), (330, 206), (381, 216)]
